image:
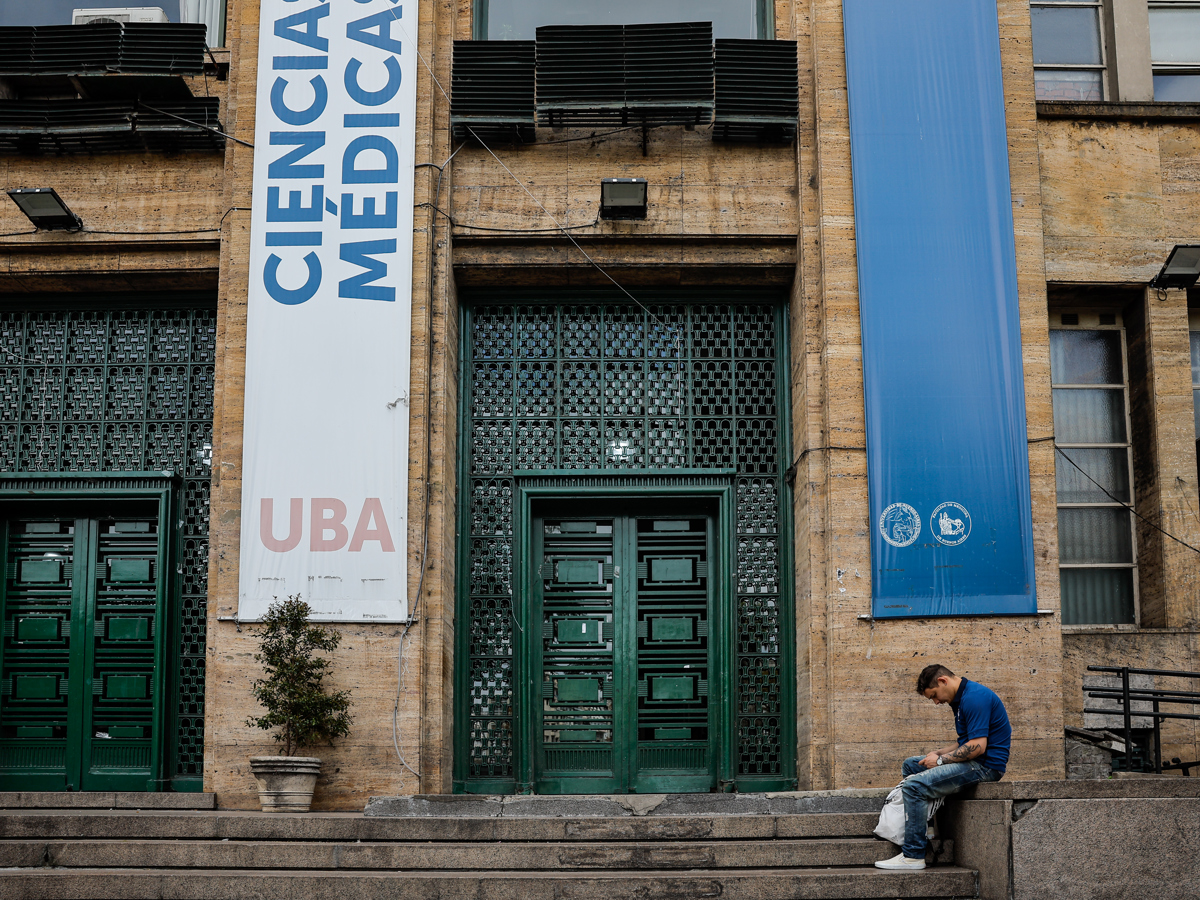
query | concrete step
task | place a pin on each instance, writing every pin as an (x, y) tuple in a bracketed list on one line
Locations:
[(104, 800), (233, 825), (232, 884), (215, 854), (851, 800)]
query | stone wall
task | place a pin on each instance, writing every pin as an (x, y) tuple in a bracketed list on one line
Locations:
[(391, 710), (857, 694), (1079, 839)]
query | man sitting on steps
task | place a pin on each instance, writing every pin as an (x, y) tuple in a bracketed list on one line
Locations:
[(981, 754)]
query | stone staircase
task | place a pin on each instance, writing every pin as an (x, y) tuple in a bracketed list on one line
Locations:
[(686, 847)]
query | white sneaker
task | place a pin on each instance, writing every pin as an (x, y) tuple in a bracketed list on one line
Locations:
[(902, 862)]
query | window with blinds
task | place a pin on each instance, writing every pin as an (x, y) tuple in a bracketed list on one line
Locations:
[(1093, 462)]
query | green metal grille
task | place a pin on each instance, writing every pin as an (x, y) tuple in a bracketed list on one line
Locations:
[(123, 390), (611, 386)]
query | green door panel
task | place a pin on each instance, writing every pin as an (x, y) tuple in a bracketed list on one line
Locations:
[(670, 569), (580, 631), (662, 688), (125, 687), (578, 571), (672, 628), (35, 687), (682, 403), (40, 571), (79, 609), (38, 628), (127, 570), (631, 676), (126, 629)]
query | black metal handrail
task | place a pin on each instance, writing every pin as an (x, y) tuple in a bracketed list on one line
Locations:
[(1127, 695)]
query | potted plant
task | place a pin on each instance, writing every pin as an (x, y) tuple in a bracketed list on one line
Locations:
[(299, 709)]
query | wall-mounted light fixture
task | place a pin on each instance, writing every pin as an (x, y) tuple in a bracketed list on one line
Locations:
[(623, 198), (46, 209), (1181, 269)]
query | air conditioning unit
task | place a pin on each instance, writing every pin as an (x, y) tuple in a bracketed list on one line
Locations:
[(118, 14)]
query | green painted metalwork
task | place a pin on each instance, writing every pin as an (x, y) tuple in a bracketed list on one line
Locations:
[(78, 659), (589, 390), (120, 387)]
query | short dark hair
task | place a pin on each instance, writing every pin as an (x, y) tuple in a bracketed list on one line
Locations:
[(929, 675)]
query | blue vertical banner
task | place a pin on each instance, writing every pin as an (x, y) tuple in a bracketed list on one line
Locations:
[(947, 454)]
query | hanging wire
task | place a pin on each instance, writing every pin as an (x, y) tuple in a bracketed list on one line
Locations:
[(1153, 525)]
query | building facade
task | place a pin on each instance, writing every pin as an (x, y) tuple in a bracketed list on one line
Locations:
[(639, 527)]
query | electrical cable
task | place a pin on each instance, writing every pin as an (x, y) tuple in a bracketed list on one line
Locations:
[(413, 618), (676, 342), (789, 474), (232, 209), (149, 233), (450, 218), (198, 125), (1123, 503), (19, 233)]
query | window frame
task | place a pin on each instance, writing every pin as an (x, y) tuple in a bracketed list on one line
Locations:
[(1172, 68), (1089, 320), (764, 13), (1194, 328), (1102, 67)]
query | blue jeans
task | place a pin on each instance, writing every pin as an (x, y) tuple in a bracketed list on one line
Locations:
[(940, 781)]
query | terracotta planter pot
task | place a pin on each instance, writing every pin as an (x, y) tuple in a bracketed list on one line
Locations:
[(285, 783)]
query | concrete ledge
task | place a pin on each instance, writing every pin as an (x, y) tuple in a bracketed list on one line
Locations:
[(1160, 786), (105, 800), (1078, 109), (869, 800), (1080, 840)]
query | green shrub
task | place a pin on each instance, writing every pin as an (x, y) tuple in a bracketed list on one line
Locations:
[(298, 708)]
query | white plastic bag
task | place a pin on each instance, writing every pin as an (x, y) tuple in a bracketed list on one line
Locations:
[(891, 817)]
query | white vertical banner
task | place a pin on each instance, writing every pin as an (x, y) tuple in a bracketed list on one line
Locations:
[(325, 456)]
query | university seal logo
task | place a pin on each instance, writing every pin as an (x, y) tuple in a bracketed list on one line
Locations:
[(900, 524), (951, 524)]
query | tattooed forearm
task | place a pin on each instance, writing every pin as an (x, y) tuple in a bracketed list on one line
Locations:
[(967, 751)]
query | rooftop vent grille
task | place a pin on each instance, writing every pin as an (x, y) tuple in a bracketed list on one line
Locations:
[(757, 90), (64, 127), (492, 91), (166, 48), (625, 74)]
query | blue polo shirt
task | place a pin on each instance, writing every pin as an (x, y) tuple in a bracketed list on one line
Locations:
[(978, 712)]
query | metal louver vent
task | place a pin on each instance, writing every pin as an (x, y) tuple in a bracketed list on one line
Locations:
[(757, 91), (176, 49), (492, 90), (61, 127), (669, 68), (16, 49), (161, 48), (580, 69), (625, 74)]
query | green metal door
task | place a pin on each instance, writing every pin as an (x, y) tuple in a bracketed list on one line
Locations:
[(82, 605), (624, 605)]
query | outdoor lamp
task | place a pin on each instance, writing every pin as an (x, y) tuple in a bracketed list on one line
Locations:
[(623, 198), (1181, 269), (45, 209)]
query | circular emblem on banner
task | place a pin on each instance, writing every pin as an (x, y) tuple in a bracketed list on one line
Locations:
[(900, 524), (951, 524)]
